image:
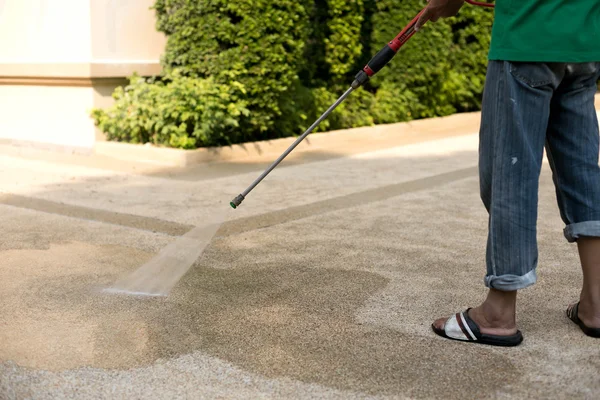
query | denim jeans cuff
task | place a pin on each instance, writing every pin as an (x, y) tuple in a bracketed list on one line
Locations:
[(582, 229), (508, 283)]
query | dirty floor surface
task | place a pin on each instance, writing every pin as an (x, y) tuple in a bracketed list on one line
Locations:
[(323, 284)]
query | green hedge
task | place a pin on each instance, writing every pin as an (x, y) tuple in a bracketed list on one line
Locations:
[(258, 43), (240, 70)]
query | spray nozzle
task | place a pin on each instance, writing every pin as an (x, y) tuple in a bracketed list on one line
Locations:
[(237, 201)]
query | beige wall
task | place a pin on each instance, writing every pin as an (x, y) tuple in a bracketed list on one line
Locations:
[(116, 33), (47, 114), (76, 32), (45, 31), (55, 60)]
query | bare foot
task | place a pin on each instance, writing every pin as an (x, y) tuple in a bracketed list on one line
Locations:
[(497, 328), (589, 305), (587, 314), (493, 324), (495, 316)]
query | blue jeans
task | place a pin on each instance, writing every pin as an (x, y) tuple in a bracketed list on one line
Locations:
[(526, 107)]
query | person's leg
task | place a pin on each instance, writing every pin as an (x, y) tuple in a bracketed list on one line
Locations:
[(515, 114), (497, 314), (573, 146), (589, 301)]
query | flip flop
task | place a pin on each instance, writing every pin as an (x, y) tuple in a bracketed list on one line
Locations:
[(573, 314), (461, 327)]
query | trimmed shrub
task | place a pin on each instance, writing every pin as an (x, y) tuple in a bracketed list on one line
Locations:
[(471, 41), (258, 43), (343, 46), (178, 112), (242, 70)]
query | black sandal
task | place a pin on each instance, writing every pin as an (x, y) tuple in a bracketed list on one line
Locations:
[(573, 314), (461, 327)]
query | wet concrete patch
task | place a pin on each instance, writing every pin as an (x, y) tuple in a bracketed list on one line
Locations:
[(282, 317)]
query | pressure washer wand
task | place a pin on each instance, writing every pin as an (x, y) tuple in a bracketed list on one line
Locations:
[(384, 56), (238, 200)]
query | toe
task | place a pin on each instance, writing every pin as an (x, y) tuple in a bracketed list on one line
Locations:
[(439, 323)]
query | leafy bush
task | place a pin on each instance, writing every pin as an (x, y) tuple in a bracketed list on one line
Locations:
[(241, 70), (176, 112), (471, 41), (343, 46), (258, 43)]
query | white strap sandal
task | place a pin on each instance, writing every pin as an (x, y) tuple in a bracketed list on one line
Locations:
[(461, 327)]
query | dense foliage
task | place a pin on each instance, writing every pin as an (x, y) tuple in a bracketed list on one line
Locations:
[(239, 70)]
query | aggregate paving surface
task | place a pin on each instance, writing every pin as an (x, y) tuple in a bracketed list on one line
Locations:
[(323, 284)]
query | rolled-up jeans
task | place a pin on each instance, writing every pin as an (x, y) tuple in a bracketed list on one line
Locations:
[(528, 107)]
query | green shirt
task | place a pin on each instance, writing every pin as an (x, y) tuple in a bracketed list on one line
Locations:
[(546, 31)]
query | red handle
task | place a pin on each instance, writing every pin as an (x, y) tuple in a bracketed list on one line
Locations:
[(405, 34), (388, 52), (409, 30), (480, 4)]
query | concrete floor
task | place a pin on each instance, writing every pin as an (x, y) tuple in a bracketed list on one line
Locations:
[(322, 285)]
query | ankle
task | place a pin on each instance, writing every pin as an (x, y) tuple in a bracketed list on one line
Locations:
[(589, 306), (590, 296), (499, 308), (497, 315), (500, 302)]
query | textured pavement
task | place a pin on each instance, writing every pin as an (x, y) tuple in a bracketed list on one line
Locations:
[(323, 284)]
